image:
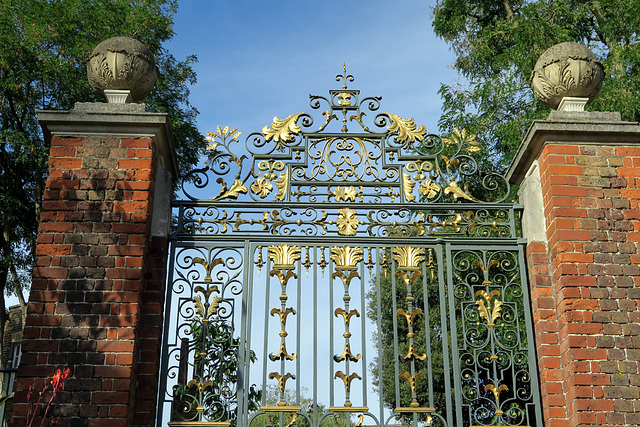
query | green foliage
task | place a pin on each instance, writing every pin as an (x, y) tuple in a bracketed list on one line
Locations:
[(497, 44), (44, 45), (215, 375)]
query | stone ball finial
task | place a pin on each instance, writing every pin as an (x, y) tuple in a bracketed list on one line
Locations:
[(122, 69), (570, 71)]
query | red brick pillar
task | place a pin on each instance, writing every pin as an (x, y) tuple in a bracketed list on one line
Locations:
[(98, 285), (580, 185)]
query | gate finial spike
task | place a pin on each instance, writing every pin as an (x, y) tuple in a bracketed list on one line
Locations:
[(344, 77)]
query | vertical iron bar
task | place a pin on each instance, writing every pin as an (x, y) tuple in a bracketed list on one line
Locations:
[(363, 331), (379, 325), (265, 335), (427, 325), (331, 349), (396, 363), (454, 337), (298, 315), (245, 335), (165, 336), (531, 350), (315, 337), (445, 331)]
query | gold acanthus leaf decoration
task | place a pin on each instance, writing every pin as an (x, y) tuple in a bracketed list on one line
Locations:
[(407, 185), (408, 257), (462, 138), (283, 256), (406, 129), (346, 257), (282, 183), (233, 192), (281, 130), (456, 191)]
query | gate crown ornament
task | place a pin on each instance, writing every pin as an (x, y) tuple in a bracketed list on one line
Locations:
[(350, 175)]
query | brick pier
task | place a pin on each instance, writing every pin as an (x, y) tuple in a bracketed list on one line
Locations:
[(97, 295), (580, 184)]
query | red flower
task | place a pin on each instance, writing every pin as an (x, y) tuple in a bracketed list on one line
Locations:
[(58, 379)]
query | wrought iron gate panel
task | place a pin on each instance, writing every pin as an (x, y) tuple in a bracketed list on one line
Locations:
[(310, 267)]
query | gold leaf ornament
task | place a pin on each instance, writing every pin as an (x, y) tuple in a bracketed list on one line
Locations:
[(281, 130), (456, 191), (406, 129), (462, 138), (407, 185)]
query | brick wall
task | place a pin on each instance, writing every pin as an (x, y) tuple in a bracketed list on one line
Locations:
[(585, 283), (98, 284)]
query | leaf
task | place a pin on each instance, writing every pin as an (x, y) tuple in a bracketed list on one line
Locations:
[(406, 129), (456, 191), (281, 130), (408, 185)]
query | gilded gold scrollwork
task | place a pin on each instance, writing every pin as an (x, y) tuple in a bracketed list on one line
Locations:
[(346, 316), (410, 317), (412, 355), (344, 99), (496, 391), (282, 354)]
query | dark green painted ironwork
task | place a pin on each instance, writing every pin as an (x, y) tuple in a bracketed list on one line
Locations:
[(284, 244)]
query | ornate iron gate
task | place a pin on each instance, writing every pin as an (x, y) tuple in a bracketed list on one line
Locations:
[(347, 273)]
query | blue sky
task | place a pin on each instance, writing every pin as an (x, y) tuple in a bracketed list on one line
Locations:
[(259, 59)]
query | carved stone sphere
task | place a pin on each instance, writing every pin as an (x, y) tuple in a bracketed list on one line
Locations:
[(122, 63), (567, 70)]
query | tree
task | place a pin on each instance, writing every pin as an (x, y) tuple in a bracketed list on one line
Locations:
[(43, 48), (497, 44)]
